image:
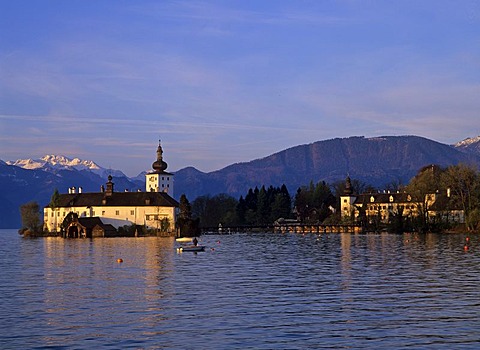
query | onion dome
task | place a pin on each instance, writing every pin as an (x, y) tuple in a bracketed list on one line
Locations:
[(348, 187), (159, 165)]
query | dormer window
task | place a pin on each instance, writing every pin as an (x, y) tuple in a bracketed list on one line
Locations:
[(372, 199), (391, 199)]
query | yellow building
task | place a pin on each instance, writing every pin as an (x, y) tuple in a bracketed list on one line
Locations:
[(383, 205), (155, 208)]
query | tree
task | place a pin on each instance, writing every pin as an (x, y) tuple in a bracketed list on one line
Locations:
[(263, 207), (212, 211), (464, 184), (241, 211), (313, 202), (185, 208), (282, 205), (54, 203), (422, 188), (30, 213), (186, 225)]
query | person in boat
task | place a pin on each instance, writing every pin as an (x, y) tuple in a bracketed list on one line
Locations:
[(195, 241)]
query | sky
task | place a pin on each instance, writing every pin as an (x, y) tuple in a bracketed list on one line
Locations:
[(222, 82)]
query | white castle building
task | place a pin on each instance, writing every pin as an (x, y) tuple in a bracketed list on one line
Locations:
[(102, 213)]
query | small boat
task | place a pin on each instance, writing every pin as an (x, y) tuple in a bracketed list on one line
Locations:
[(192, 248)]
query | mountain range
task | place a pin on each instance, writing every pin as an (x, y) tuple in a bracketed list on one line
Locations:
[(376, 161)]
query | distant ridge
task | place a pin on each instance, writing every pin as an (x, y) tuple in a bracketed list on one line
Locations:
[(376, 161)]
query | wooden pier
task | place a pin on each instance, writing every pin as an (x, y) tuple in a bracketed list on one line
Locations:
[(284, 228)]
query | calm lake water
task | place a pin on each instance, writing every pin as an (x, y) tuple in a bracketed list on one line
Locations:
[(247, 291)]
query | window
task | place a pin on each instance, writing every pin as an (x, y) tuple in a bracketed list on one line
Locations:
[(103, 212), (132, 212), (147, 217), (52, 214), (93, 212), (117, 212)]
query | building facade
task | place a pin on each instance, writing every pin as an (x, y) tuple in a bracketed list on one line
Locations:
[(155, 208), (381, 206)]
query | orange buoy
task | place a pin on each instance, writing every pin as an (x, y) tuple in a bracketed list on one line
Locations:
[(119, 260), (465, 247), (467, 239)]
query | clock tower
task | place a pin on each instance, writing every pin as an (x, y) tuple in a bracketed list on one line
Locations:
[(159, 180)]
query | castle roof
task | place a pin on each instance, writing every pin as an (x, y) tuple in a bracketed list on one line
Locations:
[(116, 199)]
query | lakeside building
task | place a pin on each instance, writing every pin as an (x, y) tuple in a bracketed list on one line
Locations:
[(382, 206), (100, 214)]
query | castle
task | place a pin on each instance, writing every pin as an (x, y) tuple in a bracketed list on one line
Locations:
[(383, 206), (100, 214)]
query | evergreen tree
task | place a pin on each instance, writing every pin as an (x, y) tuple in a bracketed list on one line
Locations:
[(186, 225), (185, 208), (241, 211), (263, 207), (54, 203)]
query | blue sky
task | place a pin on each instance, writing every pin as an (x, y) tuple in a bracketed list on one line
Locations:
[(222, 82)]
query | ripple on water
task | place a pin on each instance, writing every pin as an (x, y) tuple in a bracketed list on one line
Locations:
[(259, 291)]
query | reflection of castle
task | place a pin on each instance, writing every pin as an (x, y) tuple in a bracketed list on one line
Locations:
[(384, 205), (101, 213)]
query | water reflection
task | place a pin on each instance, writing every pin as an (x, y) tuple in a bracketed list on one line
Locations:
[(85, 286), (253, 290)]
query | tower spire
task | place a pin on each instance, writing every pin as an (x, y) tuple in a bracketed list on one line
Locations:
[(159, 165)]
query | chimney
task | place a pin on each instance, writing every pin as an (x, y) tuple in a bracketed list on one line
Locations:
[(79, 190), (102, 188), (74, 190), (448, 192)]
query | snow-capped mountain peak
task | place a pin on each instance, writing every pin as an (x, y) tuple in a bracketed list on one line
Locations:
[(62, 161), (469, 145), (468, 141), (52, 162), (29, 164)]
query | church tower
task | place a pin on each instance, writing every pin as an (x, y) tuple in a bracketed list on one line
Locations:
[(347, 200), (159, 180)]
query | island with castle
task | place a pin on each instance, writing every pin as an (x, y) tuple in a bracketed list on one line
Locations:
[(78, 214)]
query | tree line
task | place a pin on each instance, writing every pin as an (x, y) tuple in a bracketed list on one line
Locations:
[(318, 203)]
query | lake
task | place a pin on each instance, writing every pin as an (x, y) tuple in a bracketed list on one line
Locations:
[(246, 291)]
